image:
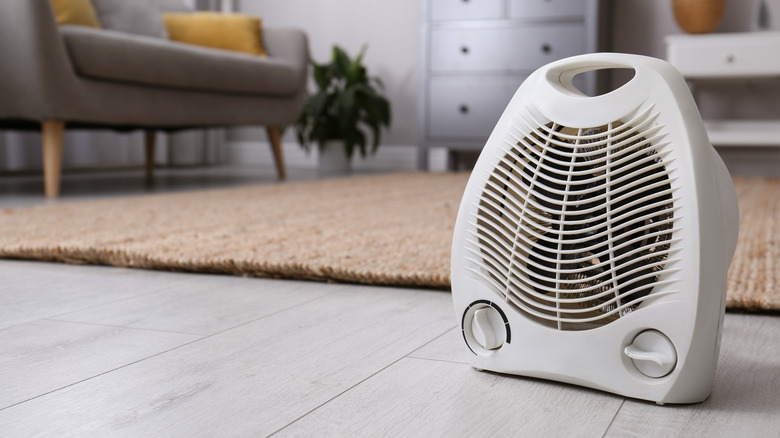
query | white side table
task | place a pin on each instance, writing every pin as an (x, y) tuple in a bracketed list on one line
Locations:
[(730, 56)]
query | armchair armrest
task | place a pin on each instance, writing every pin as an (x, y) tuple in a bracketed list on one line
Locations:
[(290, 45), (36, 76)]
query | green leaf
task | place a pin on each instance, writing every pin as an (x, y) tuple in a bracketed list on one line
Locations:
[(341, 62), (357, 73), (359, 57), (321, 76), (384, 110), (318, 104)]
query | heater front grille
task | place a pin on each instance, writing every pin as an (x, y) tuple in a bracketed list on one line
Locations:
[(575, 226)]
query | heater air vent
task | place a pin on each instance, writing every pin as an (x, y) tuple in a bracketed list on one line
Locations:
[(575, 226)]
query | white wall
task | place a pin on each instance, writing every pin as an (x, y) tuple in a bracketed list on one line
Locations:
[(388, 28)]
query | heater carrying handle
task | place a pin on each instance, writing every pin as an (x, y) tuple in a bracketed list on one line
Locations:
[(556, 90), (646, 69)]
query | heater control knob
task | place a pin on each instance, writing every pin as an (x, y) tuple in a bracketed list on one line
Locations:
[(652, 353), (487, 327)]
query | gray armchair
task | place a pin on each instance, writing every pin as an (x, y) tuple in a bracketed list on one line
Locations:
[(68, 77)]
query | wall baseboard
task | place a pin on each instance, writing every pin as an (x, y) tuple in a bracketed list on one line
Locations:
[(751, 161), (388, 157)]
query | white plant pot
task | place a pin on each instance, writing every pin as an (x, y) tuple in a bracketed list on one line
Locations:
[(333, 160)]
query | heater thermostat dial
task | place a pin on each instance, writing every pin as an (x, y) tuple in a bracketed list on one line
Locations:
[(485, 327), (488, 328), (652, 353)]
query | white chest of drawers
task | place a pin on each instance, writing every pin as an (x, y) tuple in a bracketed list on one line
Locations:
[(475, 53)]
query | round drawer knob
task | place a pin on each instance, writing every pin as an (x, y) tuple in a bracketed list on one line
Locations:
[(546, 48), (729, 58), (464, 50), (464, 109)]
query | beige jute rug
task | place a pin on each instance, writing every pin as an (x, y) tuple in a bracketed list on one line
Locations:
[(385, 230)]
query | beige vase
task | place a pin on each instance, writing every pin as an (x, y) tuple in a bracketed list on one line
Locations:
[(698, 16)]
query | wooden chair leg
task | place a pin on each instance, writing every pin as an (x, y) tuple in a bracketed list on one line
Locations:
[(53, 136), (150, 143), (275, 138)]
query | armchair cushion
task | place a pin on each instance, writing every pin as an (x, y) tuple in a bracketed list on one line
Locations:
[(141, 17), (116, 56), (172, 5), (76, 12), (237, 32)]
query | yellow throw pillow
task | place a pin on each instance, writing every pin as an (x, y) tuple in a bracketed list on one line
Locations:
[(78, 12), (237, 32)]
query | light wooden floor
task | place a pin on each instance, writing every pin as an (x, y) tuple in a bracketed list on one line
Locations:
[(99, 351)]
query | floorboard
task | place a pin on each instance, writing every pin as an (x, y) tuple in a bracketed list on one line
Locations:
[(43, 356), (205, 304), (34, 290), (449, 347), (424, 398), (250, 380)]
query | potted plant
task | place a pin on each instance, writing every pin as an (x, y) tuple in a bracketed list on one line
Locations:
[(347, 107)]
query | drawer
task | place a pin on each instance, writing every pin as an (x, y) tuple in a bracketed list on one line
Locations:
[(547, 8), (468, 108), (504, 49), (726, 55), (466, 9)]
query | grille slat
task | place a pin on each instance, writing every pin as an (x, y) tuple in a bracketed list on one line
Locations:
[(585, 300), (575, 226), (480, 233), (623, 208), (495, 259), (605, 233), (603, 217), (634, 125), (598, 319), (573, 282), (596, 150), (584, 268), (592, 183), (587, 169), (591, 289)]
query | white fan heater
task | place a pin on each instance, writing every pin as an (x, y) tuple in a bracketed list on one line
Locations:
[(593, 239)]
